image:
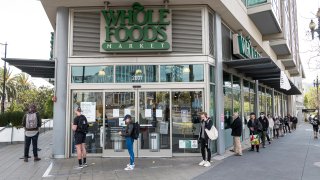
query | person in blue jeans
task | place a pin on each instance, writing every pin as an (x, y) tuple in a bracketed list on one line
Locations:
[(127, 133)]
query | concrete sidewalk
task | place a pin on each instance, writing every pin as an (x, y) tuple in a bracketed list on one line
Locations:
[(293, 157)]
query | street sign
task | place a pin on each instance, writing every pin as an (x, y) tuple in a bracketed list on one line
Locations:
[(308, 110)]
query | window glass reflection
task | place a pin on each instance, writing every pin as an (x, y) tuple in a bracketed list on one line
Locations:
[(136, 74), (92, 74), (182, 73)]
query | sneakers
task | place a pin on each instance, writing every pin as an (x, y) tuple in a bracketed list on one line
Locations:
[(25, 159), (78, 167), (37, 159), (207, 164), (84, 165), (129, 168), (202, 163), (131, 165)]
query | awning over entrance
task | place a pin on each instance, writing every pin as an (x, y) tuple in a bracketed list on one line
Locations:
[(264, 70), (34, 67)]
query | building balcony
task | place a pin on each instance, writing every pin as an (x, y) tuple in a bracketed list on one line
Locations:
[(266, 15), (281, 46)]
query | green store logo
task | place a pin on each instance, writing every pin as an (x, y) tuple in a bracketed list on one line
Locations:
[(136, 29)]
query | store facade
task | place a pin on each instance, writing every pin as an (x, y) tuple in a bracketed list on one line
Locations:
[(162, 64)]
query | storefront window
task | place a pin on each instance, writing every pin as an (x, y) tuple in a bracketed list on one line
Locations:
[(136, 74), (186, 106), (92, 74), (182, 73), (92, 107), (212, 76)]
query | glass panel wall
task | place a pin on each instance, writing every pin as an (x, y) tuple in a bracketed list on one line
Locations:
[(212, 102), (117, 105), (92, 74), (186, 106), (92, 107), (181, 73), (136, 74), (154, 119)]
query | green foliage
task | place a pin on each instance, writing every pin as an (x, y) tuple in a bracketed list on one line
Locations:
[(310, 98), (15, 118)]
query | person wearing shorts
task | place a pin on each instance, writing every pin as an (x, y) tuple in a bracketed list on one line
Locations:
[(79, 139)]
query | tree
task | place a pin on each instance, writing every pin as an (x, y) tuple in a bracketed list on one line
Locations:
[(23, 82), (310, 98), (10, 88)]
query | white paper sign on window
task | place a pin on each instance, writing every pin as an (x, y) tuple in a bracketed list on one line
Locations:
[(148, 113), (116, 113), (122, 122), (89, 110), (127, 111), (159, 113)]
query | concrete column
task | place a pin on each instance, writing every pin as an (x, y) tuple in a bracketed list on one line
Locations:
[(256, 100), (219, 86), (272, 103), (61, 56)]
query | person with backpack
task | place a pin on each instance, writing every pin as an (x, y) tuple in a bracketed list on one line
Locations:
[(286, 124), (80, 128), (130, 134), (31, 123), (294, 123), (265, 126), (315, 124), (276, 127), (205, 141)]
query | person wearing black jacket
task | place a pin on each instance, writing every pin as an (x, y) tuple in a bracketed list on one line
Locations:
[(127, 133), (206, 123), (236, 127), (265, 125), (255, 129)]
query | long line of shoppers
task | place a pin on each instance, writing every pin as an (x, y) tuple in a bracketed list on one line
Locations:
[(262, 129)]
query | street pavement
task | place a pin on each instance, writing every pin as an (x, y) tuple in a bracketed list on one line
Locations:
[(295, 156)]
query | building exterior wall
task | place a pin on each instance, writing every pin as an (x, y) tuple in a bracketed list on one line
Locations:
[(201, 39)]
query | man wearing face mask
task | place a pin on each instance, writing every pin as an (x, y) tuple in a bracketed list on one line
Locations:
[(236, 127), (265, 125)]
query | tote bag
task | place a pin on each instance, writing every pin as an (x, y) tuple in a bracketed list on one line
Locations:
[(212, 133)]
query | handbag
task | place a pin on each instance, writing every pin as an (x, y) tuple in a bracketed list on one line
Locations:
[(212, 133)]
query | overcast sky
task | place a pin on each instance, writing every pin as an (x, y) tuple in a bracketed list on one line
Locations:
[(26, 28)]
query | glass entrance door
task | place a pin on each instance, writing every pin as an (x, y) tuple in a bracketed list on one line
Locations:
[(154, 119), (151, 109), (117, 105)]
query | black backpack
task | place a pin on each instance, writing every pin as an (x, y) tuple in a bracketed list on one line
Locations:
[(83, 124), (136, 131)]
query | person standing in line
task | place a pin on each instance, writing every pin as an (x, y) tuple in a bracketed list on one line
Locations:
[(276, 127), (265, 126), (315, 124), (236, 127), (206, 123), (271, 126), (255, 131), (294, 123), (127, 133), (282, 128), (80, 128), (31, 123), (286, 124)]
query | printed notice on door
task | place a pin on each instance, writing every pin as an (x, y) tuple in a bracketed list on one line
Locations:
[(89, 110), (116, 113), (188, 144), (164, 126), (127, 112), (148, 113), (159, 113)]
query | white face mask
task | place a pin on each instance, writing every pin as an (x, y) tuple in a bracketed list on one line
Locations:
[(262, 116)]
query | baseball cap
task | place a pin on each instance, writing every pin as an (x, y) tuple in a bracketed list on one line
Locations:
[(127, 117), (78, 109)]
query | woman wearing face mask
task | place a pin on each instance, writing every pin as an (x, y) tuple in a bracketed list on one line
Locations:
[(265, 126), (255, 131)]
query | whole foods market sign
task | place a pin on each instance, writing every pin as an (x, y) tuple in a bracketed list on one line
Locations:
[(136, 29), (243, 49)]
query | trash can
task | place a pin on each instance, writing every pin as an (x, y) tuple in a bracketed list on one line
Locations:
[(154, 142), (117, 143)]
